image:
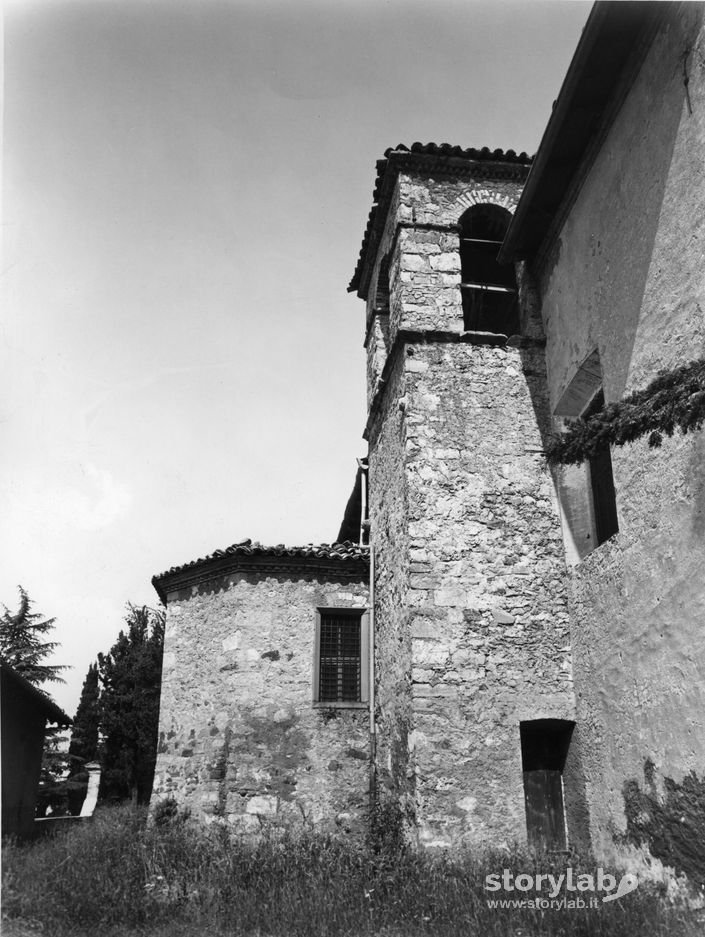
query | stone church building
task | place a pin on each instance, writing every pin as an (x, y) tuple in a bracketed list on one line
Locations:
[(504, 650)]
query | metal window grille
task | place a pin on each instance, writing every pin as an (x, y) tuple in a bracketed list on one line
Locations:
[(340, 659)]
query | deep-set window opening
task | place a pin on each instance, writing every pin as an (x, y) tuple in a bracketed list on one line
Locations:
[(604, 501), (488, 288)]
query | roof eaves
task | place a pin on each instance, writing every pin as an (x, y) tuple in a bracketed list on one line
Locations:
[(612, 34), (249, 555), (54, 712)]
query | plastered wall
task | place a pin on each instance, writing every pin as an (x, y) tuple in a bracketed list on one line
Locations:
[(625, 277)]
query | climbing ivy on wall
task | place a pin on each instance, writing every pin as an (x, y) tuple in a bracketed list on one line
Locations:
[(673, 400)]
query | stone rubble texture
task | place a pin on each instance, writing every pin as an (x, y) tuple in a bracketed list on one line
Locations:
[(471, 597), (240, 740), (472, 628)]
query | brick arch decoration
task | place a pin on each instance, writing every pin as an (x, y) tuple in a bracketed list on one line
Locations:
[(484, 197)]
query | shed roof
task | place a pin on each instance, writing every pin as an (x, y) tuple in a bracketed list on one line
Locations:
[(17, 684)]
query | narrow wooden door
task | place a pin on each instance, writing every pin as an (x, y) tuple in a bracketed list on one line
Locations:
[(543, 796)]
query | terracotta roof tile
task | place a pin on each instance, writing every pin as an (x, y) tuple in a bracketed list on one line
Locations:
[(337, 552)]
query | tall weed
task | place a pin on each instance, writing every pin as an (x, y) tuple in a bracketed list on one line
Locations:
[(126, 877)]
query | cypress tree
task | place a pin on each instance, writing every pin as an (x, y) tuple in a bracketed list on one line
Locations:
[(131, 678)]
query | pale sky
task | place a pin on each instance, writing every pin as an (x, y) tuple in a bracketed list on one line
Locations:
[(185, 190)]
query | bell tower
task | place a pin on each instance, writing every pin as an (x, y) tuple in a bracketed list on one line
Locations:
[(470, 584)]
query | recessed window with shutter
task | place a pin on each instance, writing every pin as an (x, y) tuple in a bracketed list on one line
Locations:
[(341, 659), (587, 491)]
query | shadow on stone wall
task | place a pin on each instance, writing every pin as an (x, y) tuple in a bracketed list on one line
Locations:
[(577, 810), (672, 825)]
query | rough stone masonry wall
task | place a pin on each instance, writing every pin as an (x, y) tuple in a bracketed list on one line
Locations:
[(471, 606), (625, 276), (239, 738), (389, 537), (377, 327), (377, 348), (487, 598)]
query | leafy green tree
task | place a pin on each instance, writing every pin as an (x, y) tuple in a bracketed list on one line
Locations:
[(129, 703), (23, 643), (84, 738)]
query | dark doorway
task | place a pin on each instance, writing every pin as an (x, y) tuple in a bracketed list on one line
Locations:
[(544, 747)]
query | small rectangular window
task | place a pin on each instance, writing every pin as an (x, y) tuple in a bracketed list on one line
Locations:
[(340, 666)]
